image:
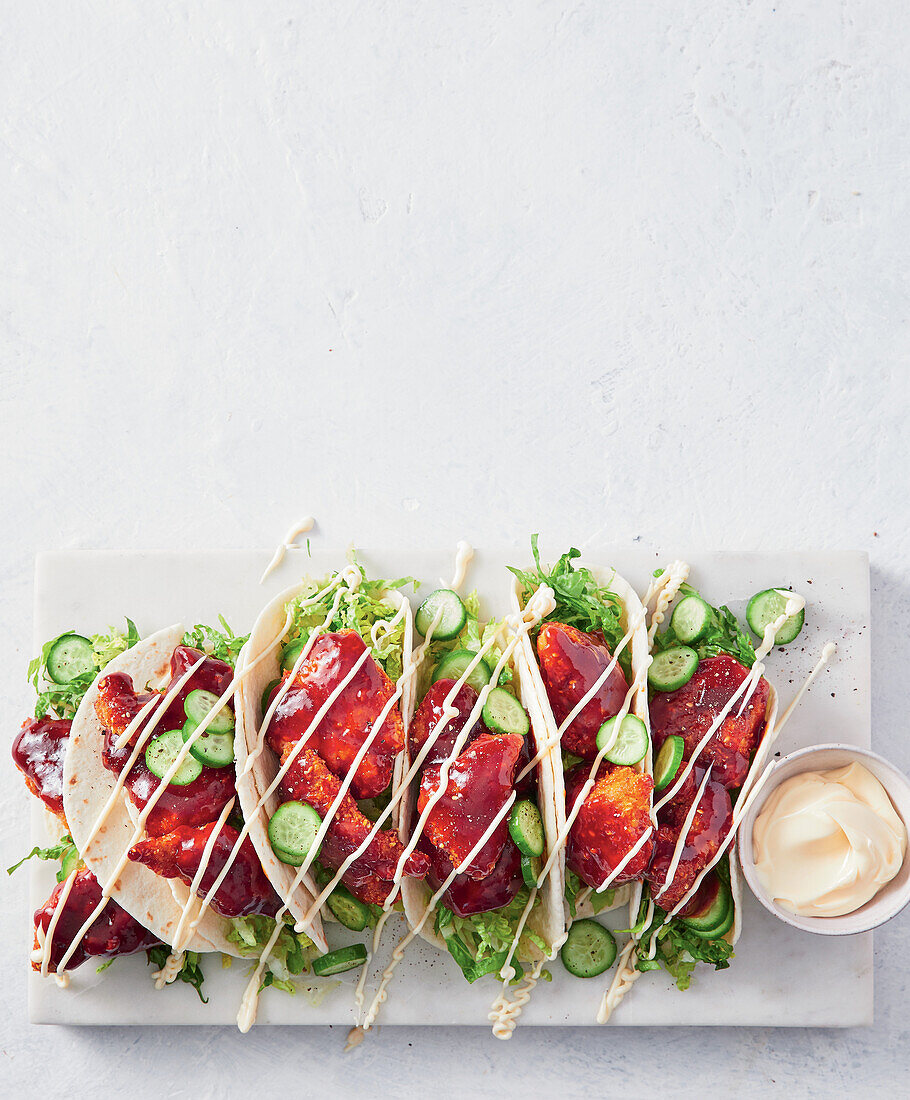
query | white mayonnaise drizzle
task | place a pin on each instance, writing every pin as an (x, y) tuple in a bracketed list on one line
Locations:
[(55, 917), (365, 969), (665, 588), (288, 543), (464, 555), (684, 835), (625, 977), (504, 1014)]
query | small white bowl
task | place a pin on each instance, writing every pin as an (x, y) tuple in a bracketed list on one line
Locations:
[(892, 897)]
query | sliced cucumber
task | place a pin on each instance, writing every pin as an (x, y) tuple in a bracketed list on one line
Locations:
[(589, 949), (337, 962), (215, 750), (70, 656), (668, 760), (530, 870), (267, 695), (290, 653), (690, 619), (765, 607), (452, 619), (502, 713), (631, 743), (161, 753), (348, 910), (453, 665), (292, 830), (716, 918), (526, 828), (200, 702), (672, 668)]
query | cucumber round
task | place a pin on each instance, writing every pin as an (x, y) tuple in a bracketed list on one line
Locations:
[(200, 703), (716, 918), (690, 619), (451, 622), (348, 910), (453, 665), (526, 828), (589, 950), (290, 653), (336, 962), (530, 871), (214, 750), (292, 830), (502, 713), (267, 695), (69, 657), (672, 668), (765, 607), (631, 743), (160, 754), (668, 760)]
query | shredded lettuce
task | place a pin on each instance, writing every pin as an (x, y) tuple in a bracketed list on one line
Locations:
[(64, 699), (481, 942), (724, 635), (473, 636), (679, 950), (190, 972), (358, 610), (222, 644), (580, 601), (65, 850), (291, 955)]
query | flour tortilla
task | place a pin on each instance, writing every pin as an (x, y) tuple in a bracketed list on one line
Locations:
[(547, 918), (154, 901), (257, 769)]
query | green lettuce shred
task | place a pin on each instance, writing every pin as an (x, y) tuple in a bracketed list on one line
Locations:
[(473, 636), (65, 850), (64, 699), (222, 644), (724, 634), (190, 972), (291, 956)]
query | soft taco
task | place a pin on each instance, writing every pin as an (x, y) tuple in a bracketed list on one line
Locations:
[(480, 801), (321, 723)]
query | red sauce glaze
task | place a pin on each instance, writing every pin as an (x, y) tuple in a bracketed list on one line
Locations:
[(703, 898), (612, 819), (690, 711), (370, 876), (712, 822), (197, 803), (114, 931), (349, 719), (571, 662), (479, 783), (245, 888), (38, 752), (466, 895), (430, 712)]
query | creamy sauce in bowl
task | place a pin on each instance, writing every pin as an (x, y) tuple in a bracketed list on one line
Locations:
[(826, 842)]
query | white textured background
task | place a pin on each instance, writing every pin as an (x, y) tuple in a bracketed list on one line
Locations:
[(428, 271)]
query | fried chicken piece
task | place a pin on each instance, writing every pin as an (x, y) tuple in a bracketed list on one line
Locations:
[(113, 932), (38, 752), (370, 876), (479, 783), (690, 711), (571, 663), (245, 888), (349, 720), (615, 814), (430, 712)]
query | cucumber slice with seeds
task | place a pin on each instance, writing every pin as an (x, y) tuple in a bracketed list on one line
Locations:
[(672, 668), (200, 702), (530, 870), (453, 665), (502, 713), (337, 962), (716, 918), (589, 949), (215, 750), (765, 607), (69, 657), (690, 619), (348, 910), (162, 751), (631, 744), (526, 828), (292, 830), (452, 618), (668, 760)]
